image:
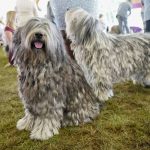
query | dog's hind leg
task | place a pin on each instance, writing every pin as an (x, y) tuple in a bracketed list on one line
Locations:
[(103, 90), (146, 81), (110, 93), (142, 79), (104, 95)]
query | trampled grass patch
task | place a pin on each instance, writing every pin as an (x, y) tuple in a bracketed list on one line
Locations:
[(124, 122)]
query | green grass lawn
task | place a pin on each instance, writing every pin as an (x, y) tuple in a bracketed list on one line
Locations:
[(123, 124)]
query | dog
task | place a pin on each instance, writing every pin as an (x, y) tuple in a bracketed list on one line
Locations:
[(105, 58), (52, 87), (115, 29)]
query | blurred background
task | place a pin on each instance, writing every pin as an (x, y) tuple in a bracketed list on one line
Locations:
[(106, 7)]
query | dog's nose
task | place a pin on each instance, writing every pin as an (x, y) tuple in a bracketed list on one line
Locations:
[(68, 9), (38, 35)]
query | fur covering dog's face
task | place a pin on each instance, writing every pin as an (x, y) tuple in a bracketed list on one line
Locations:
[(81, 26), (39, 39)]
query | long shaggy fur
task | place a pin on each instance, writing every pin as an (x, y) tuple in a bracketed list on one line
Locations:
[(52, 87), (105, 58)]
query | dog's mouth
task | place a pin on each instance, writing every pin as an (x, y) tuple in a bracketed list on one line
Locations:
[(38, 44)]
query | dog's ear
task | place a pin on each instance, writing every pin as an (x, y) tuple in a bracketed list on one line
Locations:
[(17, 37), (87, 30), (16, 41)]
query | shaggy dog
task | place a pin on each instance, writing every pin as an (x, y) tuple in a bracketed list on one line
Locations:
[(105, 58), (52, 87), (115, 30)]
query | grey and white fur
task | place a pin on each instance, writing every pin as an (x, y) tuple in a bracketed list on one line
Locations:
[(107, 59), (52, 87)]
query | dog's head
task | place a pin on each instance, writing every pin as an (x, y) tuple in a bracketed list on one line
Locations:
[(38, 39), (115, 29), (81, 27)]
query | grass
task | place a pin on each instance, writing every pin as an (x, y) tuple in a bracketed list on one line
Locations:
[(124, 123)]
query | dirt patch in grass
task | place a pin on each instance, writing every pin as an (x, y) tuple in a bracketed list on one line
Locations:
[(124, 123)]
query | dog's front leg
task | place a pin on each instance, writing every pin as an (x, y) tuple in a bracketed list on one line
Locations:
[(46, 127), (27, 122), (41, 127)]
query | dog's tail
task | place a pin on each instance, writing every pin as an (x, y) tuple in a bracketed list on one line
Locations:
[(50, 14)]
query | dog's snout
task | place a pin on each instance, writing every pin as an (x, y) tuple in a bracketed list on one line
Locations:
[(38, 35), (68, 9)]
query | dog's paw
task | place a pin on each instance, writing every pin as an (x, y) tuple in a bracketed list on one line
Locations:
[(43, 129), (104, 96), (110, 93), (146, 81), (41, 134), (25, 123), (147, 85)]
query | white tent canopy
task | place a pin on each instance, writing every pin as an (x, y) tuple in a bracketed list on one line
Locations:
[(6, 5)]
